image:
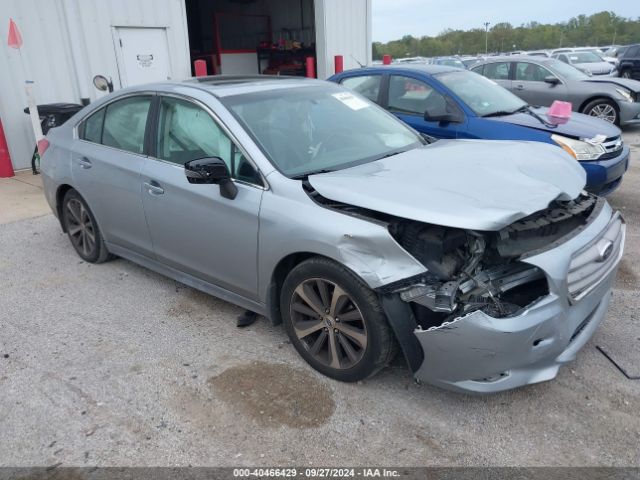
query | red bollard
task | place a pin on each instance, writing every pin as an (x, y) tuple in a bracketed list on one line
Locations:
[(311, 67), (200, 67), (339, 63), (6, 167), (386, 59)]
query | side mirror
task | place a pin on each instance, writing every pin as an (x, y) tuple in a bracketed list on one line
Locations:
[(552, 80), (211, 170), (443, 117), (102, 84)]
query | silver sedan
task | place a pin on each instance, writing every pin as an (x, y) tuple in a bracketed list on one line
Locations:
[(485, 263), (540, 81)]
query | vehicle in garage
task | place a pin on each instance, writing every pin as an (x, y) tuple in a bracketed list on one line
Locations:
[(587, 62), (306, 203), (541, 81), (630, 62), (443, 102)]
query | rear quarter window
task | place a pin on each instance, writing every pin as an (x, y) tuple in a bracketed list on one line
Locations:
[(91, 127)]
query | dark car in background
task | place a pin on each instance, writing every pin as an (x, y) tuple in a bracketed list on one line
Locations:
[(445, 102), (541, 81), (630, 63)]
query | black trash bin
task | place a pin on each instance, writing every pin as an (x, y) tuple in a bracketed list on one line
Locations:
[(52, 115)]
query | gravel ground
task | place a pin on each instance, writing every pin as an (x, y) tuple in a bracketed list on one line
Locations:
[(113, 365)]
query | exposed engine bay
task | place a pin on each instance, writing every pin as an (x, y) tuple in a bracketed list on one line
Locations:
[(469, 270), (475, 270)]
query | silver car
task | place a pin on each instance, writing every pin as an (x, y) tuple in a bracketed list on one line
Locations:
[(539, 81), (587, 62), (485, 263)]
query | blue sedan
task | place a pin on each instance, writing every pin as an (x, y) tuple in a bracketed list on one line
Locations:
[(446, 102)]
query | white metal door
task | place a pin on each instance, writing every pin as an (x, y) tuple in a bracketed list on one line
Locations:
[(143, 55)]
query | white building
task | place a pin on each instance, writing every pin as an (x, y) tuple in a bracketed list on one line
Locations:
[(68, 42)]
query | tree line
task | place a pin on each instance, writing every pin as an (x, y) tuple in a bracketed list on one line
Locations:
[(604, 28)]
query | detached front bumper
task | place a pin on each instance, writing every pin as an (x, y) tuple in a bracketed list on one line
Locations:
[(481, 354)]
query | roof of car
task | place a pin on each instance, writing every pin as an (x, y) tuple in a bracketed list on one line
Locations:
[(228, 85), (427, 68), (513, 58)]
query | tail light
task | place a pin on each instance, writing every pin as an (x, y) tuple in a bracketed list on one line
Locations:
[(43, 144)]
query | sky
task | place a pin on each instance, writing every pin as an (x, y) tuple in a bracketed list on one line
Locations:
[(392, 19)]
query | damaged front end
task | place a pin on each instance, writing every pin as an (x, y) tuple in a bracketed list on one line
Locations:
[(492, 312)]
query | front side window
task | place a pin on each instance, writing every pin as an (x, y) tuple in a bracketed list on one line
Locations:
[(303, 130), (531, 72), (366, 85), (125, 123), (497, 71), (187, 132), (407, 95)]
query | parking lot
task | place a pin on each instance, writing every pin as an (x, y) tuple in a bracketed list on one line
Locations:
[(114, 365)]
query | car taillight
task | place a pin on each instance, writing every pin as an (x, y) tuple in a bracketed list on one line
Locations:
[(43, 144)]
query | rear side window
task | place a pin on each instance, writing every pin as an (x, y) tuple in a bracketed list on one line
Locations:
[(125, 123), (366, 85), (92, 127), (496, 71)]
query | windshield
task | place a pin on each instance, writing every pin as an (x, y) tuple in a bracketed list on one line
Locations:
[(566, 71), (483, 96), (584, 57), (303, 130)]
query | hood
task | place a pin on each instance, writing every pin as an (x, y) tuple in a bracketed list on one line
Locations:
[(578, 126), (596, 68), (471, 184), (633, 85)]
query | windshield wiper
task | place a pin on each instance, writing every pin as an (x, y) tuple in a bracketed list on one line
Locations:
[(529, 110), (499, 113)]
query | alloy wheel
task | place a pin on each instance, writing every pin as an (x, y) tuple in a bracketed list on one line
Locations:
[(80, 227), (626, 74), (604, 111), (328, 323)]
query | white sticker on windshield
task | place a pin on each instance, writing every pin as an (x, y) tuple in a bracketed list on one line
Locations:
[(351, 101)]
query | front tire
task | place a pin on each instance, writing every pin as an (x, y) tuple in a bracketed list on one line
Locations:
[(626, 73), (335, 322), (604, 109), (82, 229)]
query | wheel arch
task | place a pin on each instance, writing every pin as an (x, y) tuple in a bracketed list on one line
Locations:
[(599, 97), (60, 193), (280, 272)]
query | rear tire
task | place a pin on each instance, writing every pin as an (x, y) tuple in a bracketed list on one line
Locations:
[(82, 229), (335, 322), (604, 109)]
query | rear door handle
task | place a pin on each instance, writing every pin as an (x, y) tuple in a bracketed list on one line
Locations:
[(153, 188), (84, 162)]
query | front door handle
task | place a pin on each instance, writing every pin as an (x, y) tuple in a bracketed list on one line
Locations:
[(519, 87), (84, 162), (153, 188)]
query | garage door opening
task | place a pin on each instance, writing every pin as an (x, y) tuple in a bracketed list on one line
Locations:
[(252, 36)]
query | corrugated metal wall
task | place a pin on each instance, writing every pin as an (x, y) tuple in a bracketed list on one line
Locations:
[(63, 74), (343, 27)]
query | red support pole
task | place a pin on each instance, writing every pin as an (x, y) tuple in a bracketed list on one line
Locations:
[(200, 67), (386, 59), (339, 63), (311, 67), (6, 167)]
